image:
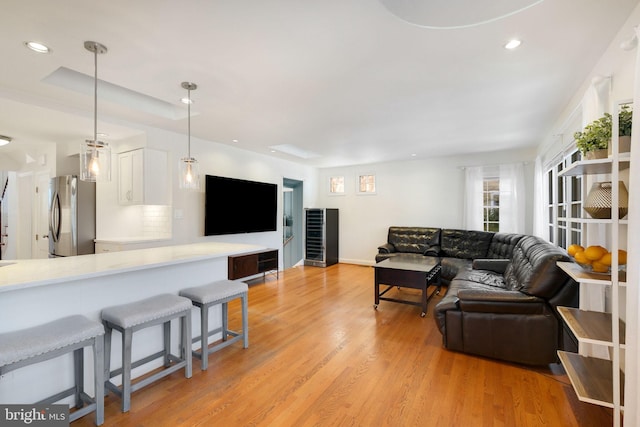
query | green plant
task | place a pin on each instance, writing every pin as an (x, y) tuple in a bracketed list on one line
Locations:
[(595, 136), (625, 118)]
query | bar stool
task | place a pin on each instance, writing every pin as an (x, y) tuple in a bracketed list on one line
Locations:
[(220, 292), (127, 319), (43, 342)]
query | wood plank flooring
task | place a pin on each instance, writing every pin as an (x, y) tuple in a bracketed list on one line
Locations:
[(320, 355)]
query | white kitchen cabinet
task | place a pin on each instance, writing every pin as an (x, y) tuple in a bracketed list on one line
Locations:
[(142, 177)]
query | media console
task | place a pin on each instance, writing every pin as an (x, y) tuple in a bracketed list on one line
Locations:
[(252, 263)]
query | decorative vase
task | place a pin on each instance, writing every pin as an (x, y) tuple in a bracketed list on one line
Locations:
[(598, 202), (597, 154), (624, 145)]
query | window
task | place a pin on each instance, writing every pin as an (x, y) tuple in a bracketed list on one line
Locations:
[(564, 202), (336, 185), (366, 184), (495, 198), (491, 204)]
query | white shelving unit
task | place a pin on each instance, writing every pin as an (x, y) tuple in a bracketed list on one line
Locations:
[(597, 380)]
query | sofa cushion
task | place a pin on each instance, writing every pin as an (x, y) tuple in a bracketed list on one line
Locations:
[(533, 268), (502, 245), (465, 243), (451, 267), (413, 239)]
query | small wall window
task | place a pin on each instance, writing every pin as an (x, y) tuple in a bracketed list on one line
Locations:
[(366, 184), (491, 204), (336, 185)]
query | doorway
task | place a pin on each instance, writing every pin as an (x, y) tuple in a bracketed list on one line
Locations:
[(292, 222)]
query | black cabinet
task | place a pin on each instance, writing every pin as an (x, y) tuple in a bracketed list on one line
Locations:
[(252, 263), (321, 237)]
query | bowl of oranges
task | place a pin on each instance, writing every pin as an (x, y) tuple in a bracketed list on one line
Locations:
[(596, 259)]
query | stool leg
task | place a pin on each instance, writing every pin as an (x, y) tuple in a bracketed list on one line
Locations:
[(204, 337), (78, 367), (167, 343), (107, 354), (98, 369), (245, 319), (126, 369), (185, 326), (225, 321)]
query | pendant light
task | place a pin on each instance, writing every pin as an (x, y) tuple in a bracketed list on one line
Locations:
[(189, 176), (95, 156)]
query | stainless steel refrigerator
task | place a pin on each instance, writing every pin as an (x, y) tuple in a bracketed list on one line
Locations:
[(72, 216)]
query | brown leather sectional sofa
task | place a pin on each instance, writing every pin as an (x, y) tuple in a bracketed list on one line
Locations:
[(502, 294)]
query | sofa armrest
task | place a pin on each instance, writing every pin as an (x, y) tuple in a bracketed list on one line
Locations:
[(433, 250), (500, 301), (387, 248), (496, 265)]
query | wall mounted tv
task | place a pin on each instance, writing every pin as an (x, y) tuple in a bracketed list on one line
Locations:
[(234, 206)]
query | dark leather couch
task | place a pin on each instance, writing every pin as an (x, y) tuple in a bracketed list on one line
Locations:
[(502, 294)]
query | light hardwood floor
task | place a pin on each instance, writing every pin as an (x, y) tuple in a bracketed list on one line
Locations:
[(320, 355)]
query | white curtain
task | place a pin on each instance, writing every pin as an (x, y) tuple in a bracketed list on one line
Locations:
[(596, 100), (512, 198), (473, 213), (539, 217), (632, 358)]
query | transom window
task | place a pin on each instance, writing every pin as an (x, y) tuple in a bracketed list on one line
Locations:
[(366, 184), (336, 185)]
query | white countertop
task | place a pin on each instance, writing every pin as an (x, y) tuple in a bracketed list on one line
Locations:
[(20, 274), (132, 239)]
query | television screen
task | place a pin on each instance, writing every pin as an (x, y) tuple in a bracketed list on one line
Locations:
[(237, 206)]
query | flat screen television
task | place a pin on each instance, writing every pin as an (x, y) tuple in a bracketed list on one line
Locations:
[(234, 206)]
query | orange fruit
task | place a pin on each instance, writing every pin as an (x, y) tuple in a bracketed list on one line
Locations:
[(594, 253), (622, 257), (599, 267), (606, 259), (573, 249), (581, 258)]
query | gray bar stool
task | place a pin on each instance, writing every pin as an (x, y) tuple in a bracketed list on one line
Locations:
[(127, 319), (220, 292), (43, 342)]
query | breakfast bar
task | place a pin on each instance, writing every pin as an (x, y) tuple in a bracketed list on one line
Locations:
[(34, 292)]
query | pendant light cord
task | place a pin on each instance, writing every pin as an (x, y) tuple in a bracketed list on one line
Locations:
[(189, 124), (95, 99)]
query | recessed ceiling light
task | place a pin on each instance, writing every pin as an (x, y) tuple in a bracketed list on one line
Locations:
[(186, 100), (413, 154), (37, 47), (512, 44), (234, 140), (4, 140)]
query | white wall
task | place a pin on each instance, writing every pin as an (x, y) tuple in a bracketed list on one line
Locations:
[(188, 206), (426, 193)]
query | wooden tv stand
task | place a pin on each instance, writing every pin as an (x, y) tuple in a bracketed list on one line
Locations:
[(252, 263)]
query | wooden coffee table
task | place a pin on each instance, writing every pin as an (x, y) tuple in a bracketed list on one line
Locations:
[(407, 273)]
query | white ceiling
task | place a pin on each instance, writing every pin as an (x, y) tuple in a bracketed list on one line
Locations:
[(345, 81)]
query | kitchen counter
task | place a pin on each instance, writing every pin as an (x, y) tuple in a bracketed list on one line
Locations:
[(38, 272), (33, 292)]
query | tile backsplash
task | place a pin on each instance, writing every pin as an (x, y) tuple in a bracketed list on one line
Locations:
[(156, 221)]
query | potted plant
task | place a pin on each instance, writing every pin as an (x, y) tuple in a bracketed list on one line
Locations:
[(593, 141), (625, 117)]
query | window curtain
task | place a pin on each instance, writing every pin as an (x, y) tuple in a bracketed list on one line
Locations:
[(539, 202), (473, 213), (512, 198), (632, 374)]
